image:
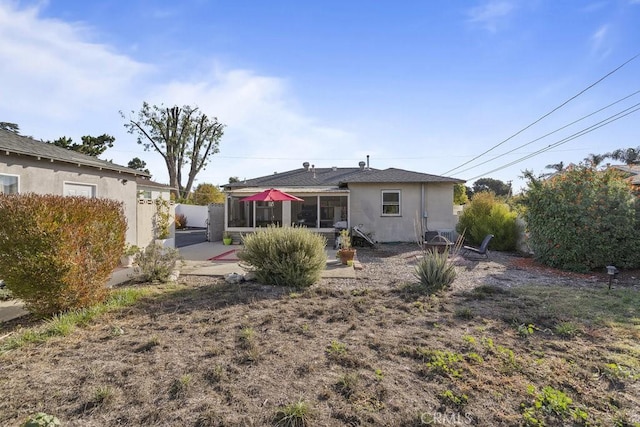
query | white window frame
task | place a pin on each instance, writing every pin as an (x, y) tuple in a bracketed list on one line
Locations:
[(11, 175), (383, 204), (94, 186)]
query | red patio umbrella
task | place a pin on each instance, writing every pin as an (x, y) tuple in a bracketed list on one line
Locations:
[(271, 195)]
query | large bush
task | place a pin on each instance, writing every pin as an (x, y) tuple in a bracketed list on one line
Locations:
[(288, 256), (582, 219), (485, 214), (57, 253)]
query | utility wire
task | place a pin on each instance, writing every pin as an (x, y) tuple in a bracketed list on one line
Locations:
[(545, 115), (551, 133), (583, 132)]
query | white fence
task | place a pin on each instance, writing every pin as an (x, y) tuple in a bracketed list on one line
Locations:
[(196, 215)]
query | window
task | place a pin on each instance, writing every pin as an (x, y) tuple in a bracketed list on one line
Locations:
[(8, 184), (76, 189), (145, 194), (391, 202)]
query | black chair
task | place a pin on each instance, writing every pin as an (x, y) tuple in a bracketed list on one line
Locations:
[(483, 250)]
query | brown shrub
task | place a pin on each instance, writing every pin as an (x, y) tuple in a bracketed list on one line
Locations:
[(57, 253)]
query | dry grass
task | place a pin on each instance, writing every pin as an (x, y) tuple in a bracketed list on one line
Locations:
[(371, 351)]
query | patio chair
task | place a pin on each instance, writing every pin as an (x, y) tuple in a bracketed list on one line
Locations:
[(483, 250)]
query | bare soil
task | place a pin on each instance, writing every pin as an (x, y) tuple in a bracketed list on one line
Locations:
[(371, 351)]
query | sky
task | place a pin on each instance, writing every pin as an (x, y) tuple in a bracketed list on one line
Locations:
[(441, 87)]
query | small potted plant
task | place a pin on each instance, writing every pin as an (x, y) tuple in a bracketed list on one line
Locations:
[(128, 256), (346, 252), (227, 239)]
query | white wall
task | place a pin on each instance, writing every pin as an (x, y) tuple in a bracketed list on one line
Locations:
[(196, 215), (366, 209)]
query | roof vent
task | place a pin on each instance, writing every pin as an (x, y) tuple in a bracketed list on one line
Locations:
[(362, 165), (313, 169), (305, 165), (334, 168)]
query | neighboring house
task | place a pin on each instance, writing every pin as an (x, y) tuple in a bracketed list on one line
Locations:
[(30, 166), (632, 170), (385, 202)]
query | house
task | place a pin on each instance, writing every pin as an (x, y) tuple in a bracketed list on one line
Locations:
[(30, 166), (633, 172), (385, 202)]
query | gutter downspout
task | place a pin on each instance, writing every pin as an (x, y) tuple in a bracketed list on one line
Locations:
[(423, 208)]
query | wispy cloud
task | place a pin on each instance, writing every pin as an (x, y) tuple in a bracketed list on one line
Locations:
[(490, 14), (599, 41), (56, 81)]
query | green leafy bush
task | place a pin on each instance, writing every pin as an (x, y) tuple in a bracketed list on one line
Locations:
[(156, 263), (434, 271), (582, 219), (288, 256), (485, 214), (41, 420), (57, 253)]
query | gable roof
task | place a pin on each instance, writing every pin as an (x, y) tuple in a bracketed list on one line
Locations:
[(11, 143), (318, 177)]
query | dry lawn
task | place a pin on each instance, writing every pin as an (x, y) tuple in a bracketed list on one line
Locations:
[(509, 344)]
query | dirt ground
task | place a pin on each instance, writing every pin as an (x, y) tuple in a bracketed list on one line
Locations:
[(371, 351)]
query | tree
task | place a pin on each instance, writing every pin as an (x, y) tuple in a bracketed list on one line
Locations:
[(233, 179), (595, 159), (498, 187), (207, 193), (460, 194), (630, 156), (583, 218), (184, 137), (11, 127), (138, 164), (91, 145)]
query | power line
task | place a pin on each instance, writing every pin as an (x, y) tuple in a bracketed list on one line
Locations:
[(583, 132), (551, 133), (545, 115)]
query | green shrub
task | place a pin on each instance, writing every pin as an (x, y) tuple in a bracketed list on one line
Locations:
[(288, 256), (296, 414), (485, 214), (41, 420), (156, 263), (57, 253), (582, 219), (434, 271)]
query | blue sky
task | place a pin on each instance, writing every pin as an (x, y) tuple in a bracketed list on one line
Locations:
[(420, 85)]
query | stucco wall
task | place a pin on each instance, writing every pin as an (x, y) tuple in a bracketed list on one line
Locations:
[(366, 209), (44, 177)]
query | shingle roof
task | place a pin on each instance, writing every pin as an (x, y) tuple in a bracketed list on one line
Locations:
[(314, 177), (27, 146), (633, 170), (400, 176)]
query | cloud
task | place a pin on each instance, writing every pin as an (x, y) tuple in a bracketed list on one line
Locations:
[(598, 41), (490, 14), (58, 81), (50, 69), (265, 131)]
